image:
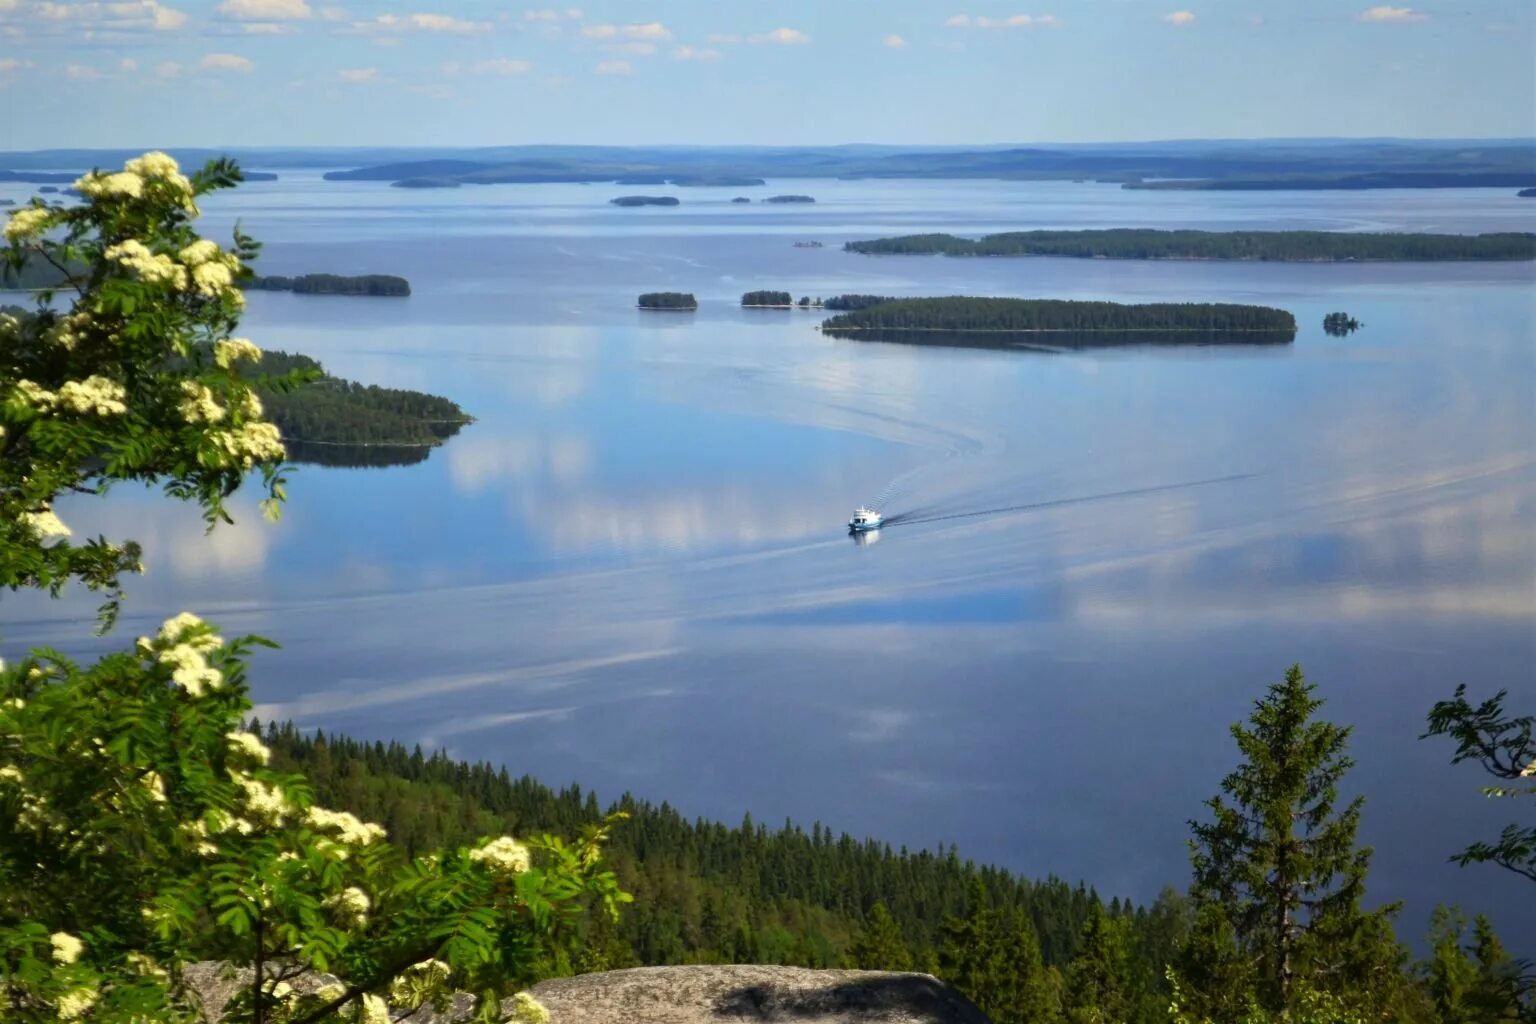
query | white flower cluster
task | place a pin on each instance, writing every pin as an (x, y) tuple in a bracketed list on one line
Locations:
[(72, 1005), (46, 524), (419, 982), (249, 746), (153, 782), (119, 183), (504, 856), (67, 331), (32, 394), (163, 166), (66, 948), (528, 1010), (351, 903), (95, 394), (186, 656), (198, 404), (233, 350), (253, 442), (348, 827), (151, 267), (269, 803), (27, 222), (1528, 771), (213, 270), (212, 279)]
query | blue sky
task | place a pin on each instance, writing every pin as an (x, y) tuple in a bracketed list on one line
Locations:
[(465, 72)]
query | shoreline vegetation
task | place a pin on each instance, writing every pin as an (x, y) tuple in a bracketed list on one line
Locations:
[(677, 302), (373, 285), (1249, 246), (970, 315), (778, 300)]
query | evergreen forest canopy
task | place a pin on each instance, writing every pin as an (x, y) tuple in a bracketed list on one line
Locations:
[(668, 300), (646, 201), (1152, 244), (332, 284), (959, 313), (767, 298)]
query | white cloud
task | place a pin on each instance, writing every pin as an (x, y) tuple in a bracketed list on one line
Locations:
[(654, 30), (781, 37), (613, 67), (10, 64), (895, 42), (692, 53), (569, 14), (266, 28), (639, 49), (265, 10), (1180, 18), (81, 72), (1398, 15), (128, 64), (358, 74), (126, 16), (333, 13), (226, 62), (1011, 21), (501, 66), (422, 23), (167, 69)]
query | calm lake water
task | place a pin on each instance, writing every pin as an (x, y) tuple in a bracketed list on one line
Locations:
[(632, 571)]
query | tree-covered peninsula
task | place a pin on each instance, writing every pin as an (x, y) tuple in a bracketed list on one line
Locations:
[(668, 300), (1526, 193), (331, 421), (332, 284), (1152, 244), (966, 314)]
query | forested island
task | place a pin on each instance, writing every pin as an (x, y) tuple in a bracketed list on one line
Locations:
[(1343, 182), (767, 298), (668, 300), (789, 199), (1155, 244), (335, 422), (1340, 324), (741, 200), (1526, 193), (645, 201), (332, 284), (966, 314), (846, 303)]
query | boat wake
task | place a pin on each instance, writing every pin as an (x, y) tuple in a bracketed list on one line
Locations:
[(913, 517)]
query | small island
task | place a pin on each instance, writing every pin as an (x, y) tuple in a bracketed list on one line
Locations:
[(333, 422), (958, 314), (789, 199), (767, 300), (46, 189), (716, 181), (669, 301), (1340, 324), (1151, 244), (332, 284), (646, 201), (7, 202), (1526, 193), (425, 183), (741, 199), (809, 245)]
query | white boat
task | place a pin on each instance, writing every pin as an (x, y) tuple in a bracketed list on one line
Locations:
[(864, 519)]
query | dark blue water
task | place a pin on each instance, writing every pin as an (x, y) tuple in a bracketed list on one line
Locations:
[(631, 571)]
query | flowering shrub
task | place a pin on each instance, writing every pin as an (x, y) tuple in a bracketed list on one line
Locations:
[(136, 380), (141, 829)]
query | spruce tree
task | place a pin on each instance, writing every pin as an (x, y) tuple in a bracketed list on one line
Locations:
[(1099, 979), (880, 945), (1279, 859)]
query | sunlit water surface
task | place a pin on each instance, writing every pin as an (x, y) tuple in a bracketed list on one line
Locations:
[(631, 571)]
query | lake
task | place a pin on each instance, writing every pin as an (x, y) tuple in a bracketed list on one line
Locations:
[(632, 571)]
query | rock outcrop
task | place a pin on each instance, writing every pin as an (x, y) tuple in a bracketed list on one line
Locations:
[(730, 995)]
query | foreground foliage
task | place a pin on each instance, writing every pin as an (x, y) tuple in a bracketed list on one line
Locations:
[(140, 828)]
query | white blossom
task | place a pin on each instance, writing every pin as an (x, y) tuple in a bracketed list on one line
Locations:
[(198, 404), (34, 394), (190, 669), (201, 251), (372, 1010), (26, 222), (528, 1010), (152, 268), (120, 183), (95, 394), (46, 524), (504, 856), (73, 1004), (66, 948), (264, 801), (155, 784), (253, 442), (348, 827), (1528, 771), (232, 350), (162, 167), (250, 746), (351, 903), (212, 279)]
